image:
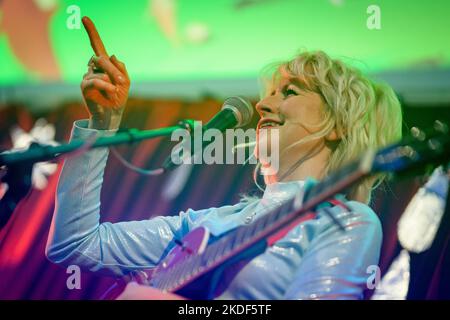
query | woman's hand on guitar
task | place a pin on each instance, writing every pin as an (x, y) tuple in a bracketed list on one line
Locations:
[(135, 291), (106, 84)]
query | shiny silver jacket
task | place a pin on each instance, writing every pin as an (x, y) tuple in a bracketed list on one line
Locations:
[(315, 260)]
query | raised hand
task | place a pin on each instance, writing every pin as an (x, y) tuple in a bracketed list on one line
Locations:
[(106, 84)]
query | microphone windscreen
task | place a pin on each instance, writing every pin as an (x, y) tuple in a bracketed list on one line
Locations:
[(241, 107)]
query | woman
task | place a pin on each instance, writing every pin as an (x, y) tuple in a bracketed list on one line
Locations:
[(326, 114)]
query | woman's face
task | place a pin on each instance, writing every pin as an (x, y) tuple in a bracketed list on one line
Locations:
[(294, 111)]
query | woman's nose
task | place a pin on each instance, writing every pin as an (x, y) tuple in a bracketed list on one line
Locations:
[(266, 106)]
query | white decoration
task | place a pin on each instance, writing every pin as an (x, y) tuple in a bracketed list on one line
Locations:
[(46, 5), (197, 32), (395, 283), (337, 2), (43, 133), (419, 223)]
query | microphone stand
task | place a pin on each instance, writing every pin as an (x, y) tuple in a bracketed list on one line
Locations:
[(19, 164)]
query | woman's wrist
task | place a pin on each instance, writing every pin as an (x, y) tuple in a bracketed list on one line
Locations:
[(108, 120)]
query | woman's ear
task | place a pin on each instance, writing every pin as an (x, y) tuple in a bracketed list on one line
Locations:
[(332, 136)]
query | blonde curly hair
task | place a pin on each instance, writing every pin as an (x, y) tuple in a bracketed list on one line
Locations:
[(363, 113)]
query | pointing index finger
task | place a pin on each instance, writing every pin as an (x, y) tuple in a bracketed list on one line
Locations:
[(94, 37)]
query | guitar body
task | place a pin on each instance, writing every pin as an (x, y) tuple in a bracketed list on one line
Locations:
[(206, 286)]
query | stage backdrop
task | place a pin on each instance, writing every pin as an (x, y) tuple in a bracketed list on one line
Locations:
[(26, 274), (41, 40)]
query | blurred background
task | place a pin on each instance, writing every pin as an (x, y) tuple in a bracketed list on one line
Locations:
[(184, 57)]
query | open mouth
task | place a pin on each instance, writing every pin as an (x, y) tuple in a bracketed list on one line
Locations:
[(266, 124)]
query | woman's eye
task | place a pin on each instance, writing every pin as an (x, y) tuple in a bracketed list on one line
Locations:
[(289, 92)]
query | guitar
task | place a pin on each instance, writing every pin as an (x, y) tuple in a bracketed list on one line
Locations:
[(192, 269)]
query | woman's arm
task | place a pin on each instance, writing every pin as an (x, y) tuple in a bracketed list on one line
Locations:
[(77, 237), (335, 265)]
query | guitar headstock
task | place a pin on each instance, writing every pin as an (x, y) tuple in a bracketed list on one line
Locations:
[(421, 148)]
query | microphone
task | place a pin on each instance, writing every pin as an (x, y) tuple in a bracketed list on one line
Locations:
[(236, 112)]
